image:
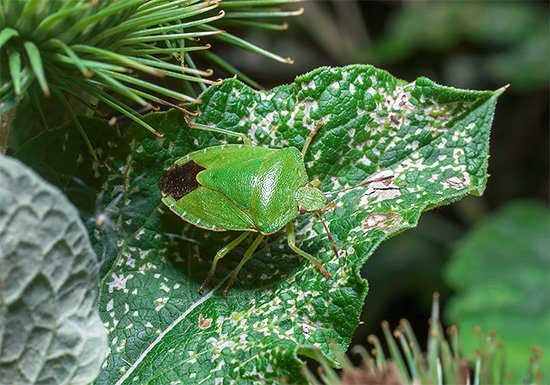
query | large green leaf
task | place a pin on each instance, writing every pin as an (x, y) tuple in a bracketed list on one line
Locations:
[(501, 275), (433, 140), (50, 330)]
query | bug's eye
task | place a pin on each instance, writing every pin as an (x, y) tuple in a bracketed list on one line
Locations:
[(302, 210)]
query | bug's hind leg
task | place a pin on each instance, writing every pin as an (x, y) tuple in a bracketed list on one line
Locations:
[(219, 255), (203, 127), (292, 244), (247, 255)]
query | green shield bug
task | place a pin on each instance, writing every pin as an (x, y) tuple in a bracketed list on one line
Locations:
[(245, 188)]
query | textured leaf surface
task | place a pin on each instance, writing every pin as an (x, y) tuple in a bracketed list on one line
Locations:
[(501, 274), (50, 330), (432, 141)]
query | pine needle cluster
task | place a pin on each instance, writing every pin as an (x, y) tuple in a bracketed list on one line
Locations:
[(115, 52)]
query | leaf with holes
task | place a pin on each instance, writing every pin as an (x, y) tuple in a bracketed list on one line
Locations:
[(429, 142), (50, 330)]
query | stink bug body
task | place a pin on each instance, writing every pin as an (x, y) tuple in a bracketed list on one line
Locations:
[(243, 188)]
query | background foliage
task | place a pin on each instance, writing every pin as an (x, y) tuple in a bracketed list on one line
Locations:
[(499, 271)]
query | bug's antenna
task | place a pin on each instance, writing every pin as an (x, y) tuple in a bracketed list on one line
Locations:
[(364, 183), (310, 138), (327, 230)]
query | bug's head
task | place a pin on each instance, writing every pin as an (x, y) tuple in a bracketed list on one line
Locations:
[(310, 199)]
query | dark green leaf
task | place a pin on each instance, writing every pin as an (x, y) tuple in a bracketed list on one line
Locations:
[(15, 70), (33, 54), (7, 34), (432, 140)]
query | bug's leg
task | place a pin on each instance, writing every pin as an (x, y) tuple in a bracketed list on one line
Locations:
[(247, 255), (203, 127), (292, 244), (328, 207), (327, 230), (219, 255), (310, 138)]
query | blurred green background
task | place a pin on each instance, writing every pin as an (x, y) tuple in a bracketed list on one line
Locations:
[(464, 44)]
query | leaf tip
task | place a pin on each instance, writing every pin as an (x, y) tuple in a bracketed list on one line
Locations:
[(501, 90)]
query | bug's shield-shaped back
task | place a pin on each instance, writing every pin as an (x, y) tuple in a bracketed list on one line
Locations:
[(238, 188)]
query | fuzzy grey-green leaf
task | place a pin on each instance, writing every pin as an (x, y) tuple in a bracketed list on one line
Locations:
[(431, 140), (50, 330)]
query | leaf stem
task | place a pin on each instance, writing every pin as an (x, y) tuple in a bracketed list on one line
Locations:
[(6, 121)]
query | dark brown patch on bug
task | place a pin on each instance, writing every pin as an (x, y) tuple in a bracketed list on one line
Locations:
[(180, 180)]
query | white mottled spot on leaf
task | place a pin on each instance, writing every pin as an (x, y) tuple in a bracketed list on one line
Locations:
[(382, 221), (119, 282)]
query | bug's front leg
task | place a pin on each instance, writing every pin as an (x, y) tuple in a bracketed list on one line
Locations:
[(292, 244), (247, 255), (219, 255)]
